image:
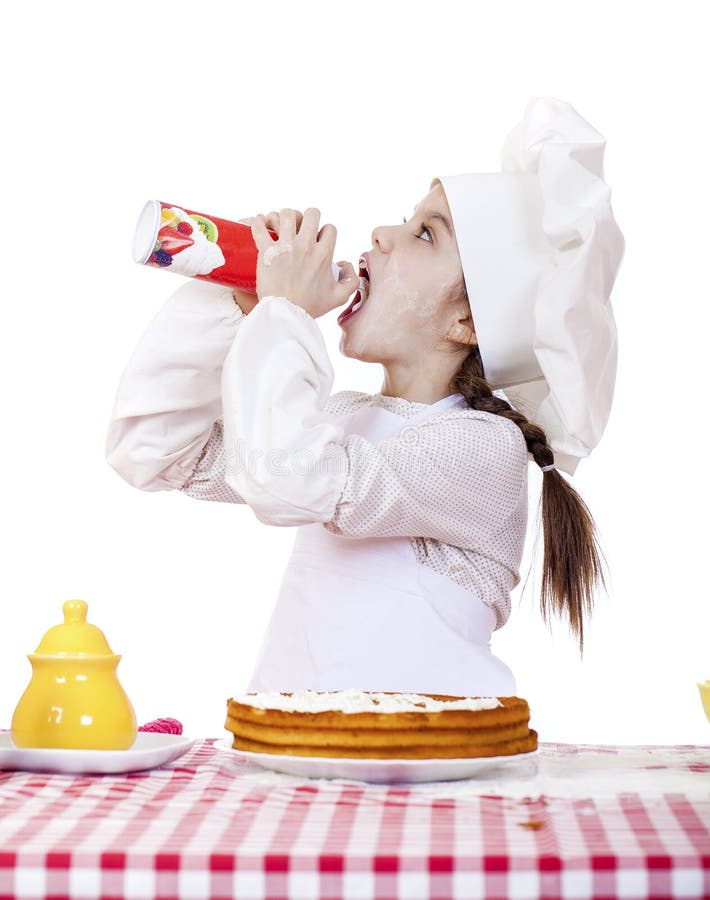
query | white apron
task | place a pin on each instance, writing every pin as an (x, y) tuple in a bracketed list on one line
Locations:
[(363, 613)]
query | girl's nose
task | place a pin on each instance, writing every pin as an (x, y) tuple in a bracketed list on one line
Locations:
[(382, 236)]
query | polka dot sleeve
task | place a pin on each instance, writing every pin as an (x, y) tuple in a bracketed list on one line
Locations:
[(455, 478)]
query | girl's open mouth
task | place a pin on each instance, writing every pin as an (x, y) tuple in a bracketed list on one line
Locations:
[(360, 297)]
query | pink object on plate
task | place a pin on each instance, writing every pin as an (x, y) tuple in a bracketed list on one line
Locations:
[(166, 726)]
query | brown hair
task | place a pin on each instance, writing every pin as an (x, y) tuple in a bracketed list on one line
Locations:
[(571, 564)]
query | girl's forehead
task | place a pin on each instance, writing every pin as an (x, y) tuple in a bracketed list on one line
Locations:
[(435, 199), (435, 205)]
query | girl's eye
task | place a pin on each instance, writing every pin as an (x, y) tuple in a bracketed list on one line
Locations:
[(423, 231)]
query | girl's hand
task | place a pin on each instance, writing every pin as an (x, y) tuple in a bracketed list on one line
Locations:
[(247, 300), (298, 264)]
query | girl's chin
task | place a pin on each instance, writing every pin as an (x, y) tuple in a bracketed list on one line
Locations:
[(361, 355), (350, 348), (346, 347)]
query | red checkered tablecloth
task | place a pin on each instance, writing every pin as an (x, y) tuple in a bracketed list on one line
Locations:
[(591, 822)]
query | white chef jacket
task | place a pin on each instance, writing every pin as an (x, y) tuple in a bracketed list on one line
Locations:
[(235, 408)]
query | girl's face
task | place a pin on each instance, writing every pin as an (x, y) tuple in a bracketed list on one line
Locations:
[(413, 268)]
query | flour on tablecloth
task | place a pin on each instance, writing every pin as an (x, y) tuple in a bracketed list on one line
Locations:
[(581, 771)]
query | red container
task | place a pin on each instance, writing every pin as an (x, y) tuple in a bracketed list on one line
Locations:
[(198, 245)]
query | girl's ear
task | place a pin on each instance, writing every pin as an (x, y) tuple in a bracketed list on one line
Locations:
[(461, 332)]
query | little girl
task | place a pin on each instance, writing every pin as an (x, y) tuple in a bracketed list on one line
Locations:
[(411, 504)]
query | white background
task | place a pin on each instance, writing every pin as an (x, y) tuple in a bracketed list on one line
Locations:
[(242, 108)]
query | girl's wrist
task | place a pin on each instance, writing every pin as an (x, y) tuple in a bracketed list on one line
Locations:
[(246, 302)]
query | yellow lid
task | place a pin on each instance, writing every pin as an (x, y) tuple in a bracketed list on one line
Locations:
[(75, 636)]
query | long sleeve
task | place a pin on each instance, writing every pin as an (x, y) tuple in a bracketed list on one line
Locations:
[(282, 452), (456, 478), (168, 403)]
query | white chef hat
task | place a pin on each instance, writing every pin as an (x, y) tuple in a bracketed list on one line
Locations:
[(540, 250)]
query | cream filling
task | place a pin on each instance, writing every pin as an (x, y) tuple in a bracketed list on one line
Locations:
[(354, 701)]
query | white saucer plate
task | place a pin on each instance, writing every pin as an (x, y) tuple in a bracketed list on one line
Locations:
[(150, 750), (383, 771)]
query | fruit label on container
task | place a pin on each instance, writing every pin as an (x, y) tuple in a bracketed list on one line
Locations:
[(199, 246), (187, 242)]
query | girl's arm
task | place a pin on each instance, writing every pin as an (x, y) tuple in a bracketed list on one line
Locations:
[(168, 406), (455, 478)]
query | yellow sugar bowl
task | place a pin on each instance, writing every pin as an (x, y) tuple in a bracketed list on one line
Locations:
[(74, 699), (704, 688)]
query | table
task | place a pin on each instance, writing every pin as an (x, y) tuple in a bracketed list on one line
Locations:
[(584, 821)]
